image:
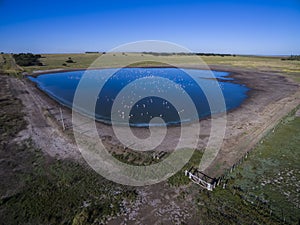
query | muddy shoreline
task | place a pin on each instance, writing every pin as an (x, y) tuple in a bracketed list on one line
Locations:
[(271, 97)]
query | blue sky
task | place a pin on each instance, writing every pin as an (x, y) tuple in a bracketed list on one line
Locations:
[(268, 27)]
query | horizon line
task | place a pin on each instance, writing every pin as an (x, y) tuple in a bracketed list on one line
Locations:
[(149, 52)]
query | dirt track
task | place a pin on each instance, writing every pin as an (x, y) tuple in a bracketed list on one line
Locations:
[(44, 133), (271, 97)]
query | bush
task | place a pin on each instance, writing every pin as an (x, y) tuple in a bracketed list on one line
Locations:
[(27, 59), (70, 60)]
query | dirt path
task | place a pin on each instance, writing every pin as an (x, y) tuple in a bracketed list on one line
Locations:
[(45, 135)]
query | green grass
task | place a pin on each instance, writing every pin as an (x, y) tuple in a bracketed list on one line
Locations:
[(272, 172), (136, 158), (59, 192), (8, 66), (264, 189)]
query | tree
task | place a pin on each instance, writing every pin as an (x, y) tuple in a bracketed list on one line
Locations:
[(27, 59)]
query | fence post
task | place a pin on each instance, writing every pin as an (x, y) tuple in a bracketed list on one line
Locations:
[(62, 119)]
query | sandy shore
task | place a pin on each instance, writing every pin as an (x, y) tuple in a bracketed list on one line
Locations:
[(271, 97)]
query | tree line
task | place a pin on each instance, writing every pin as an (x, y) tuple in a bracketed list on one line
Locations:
[(292, 57), (187, 53)]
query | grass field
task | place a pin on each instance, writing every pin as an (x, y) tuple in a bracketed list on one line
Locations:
[(54, 61), (274, 64), (269, 180)]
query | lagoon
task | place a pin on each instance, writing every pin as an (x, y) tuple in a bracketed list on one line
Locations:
[(149, 94)]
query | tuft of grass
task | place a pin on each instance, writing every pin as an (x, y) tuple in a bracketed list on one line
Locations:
[(61, 192)]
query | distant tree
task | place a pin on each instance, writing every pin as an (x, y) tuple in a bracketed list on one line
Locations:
[(292, 57), (27, 59)]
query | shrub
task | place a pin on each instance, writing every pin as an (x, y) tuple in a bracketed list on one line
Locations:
[(27, 59), (70, 60)]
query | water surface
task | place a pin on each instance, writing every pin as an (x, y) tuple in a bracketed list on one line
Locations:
[(62, 87)]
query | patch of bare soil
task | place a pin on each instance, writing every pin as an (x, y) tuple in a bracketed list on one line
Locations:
[(160, 204), (46, 135)]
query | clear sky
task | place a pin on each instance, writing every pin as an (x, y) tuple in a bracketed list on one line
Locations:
[(270, 27)]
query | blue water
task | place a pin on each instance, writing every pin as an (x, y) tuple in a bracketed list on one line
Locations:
[(62, 87)]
